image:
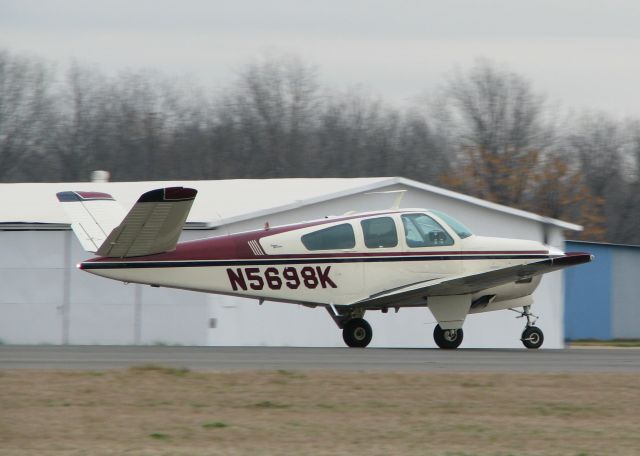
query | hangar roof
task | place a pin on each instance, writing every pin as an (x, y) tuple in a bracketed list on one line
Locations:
[(220, 202)]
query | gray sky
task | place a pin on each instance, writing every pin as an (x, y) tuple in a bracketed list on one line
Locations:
[(582, 54)]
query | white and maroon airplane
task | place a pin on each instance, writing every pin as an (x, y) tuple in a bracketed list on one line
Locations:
[(348, 265)]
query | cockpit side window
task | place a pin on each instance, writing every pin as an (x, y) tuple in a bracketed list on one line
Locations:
[(379, 232), (332, 238), (423, 231)]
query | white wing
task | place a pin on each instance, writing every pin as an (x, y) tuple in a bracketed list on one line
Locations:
[(467, 284)]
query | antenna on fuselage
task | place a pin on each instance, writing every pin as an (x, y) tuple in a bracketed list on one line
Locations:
[(396, 201)]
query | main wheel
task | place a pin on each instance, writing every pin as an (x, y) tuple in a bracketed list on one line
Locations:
[(532, 337), (357, 333), (447, 338)]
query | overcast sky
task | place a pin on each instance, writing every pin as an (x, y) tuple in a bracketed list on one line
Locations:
[(583, 54)]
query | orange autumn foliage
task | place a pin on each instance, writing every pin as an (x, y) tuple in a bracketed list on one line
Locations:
[(546, 185)]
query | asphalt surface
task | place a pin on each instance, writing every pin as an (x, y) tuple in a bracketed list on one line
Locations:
[(369, 359)]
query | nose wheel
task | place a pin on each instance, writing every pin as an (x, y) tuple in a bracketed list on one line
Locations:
[(532, 337)]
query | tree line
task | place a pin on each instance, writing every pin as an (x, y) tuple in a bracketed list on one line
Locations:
[(485, 132)]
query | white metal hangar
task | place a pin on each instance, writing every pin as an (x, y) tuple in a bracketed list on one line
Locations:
[(45, 299)]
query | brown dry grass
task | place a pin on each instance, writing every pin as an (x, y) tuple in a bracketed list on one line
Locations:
[(152, 410)]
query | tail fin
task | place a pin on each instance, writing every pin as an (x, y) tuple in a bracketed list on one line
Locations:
[(153, 225)]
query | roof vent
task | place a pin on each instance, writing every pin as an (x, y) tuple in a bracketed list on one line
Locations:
[(100, 176)]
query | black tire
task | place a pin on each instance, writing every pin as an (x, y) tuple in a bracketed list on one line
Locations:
[(532, 337), (357, 333), (448, 338)]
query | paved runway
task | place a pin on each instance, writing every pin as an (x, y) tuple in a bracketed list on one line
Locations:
[(369, 359)]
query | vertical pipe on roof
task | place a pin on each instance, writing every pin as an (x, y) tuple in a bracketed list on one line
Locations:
[(100, 176)]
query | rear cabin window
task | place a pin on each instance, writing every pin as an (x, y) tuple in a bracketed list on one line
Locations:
[(335, 237), (423, 231), (379, 232)]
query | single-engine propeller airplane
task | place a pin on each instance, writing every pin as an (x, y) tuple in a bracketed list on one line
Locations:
[(348, 264)]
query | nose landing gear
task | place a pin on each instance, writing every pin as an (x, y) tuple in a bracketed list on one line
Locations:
[(532, 337)]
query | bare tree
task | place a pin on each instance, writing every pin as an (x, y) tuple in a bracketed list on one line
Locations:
[(25, 113), (190, 143), (596, 142), (621, 193), (423, 150), (80, 136), (270, 110), (498, 126), (360, 135), (350, 139)]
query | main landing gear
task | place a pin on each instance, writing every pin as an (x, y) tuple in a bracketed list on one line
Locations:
[(356, 331), (532, 336), (447, 338)]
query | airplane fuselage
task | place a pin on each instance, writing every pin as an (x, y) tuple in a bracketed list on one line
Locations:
[(335, 261)]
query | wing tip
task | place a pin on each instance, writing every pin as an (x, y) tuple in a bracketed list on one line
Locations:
[(574, 258)]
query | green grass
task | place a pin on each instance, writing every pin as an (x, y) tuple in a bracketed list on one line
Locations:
[(215, 425), (94, 373), (159, 436)]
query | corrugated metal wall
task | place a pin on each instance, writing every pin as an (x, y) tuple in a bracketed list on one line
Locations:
[(601, 298), (44, 299), (587, 312), (625, 308)]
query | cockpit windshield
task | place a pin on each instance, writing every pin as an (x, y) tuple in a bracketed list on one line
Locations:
[(461, 230)]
